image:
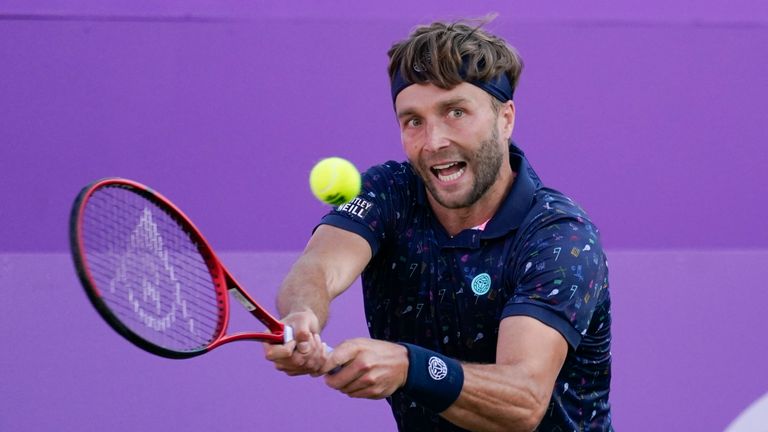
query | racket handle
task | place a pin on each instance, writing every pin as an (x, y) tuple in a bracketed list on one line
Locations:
[(287, 333), (288, 336)]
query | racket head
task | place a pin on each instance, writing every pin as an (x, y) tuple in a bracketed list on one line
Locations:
[(147, 269)]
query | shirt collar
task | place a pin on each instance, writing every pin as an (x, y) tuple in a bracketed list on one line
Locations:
[(517, 203)]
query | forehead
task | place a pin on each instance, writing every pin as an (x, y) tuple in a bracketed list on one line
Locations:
[(420, 97)]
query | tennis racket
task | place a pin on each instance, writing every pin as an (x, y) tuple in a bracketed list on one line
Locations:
[(152, 276)]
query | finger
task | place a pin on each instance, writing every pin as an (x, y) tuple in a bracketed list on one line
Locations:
[(342, 355), (305, 363), (336, 358), (343, 364), (303, 347), (303, 327), (290, 368), (363, 387), (330, 366), (359, 382), (315, 354), (325, 363), (314, 357), (279, 352), (307, 346), (368, 393), (357, 386), (344, 380)]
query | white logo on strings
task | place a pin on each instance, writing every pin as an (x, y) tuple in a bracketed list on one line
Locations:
[(146, 247), (437, 368)]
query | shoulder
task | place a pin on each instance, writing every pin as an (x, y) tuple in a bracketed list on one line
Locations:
[(386, 193), (558, 222), (389, 174), (552, 206), (391, 185)]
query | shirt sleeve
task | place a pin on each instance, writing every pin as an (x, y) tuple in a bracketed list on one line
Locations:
[(560, 275), (373, 213)]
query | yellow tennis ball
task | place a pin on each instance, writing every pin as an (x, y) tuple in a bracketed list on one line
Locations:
[(334, 181)]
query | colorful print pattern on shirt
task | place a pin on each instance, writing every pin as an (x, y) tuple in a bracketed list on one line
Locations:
[(450, 294)]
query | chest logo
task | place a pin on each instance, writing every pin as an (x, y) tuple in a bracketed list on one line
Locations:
[(481, 284)]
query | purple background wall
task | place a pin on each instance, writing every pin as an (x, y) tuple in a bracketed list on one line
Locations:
[(654, 125), (651, 114), (689, 354)]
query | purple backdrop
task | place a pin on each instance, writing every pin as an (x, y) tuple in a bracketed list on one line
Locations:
[(656, 127), (688, 354), (651, 114)]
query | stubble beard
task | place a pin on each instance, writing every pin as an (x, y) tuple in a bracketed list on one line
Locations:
[(486, 166)]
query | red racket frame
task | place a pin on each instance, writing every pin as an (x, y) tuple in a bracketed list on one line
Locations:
[(222, 280)]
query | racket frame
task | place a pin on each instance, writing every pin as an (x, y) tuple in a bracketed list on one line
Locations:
[(223, 282)]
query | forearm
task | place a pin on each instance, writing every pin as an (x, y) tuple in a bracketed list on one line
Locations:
[(511, 394), (498, 398), (329, 264), (305, 288), (332, 260)]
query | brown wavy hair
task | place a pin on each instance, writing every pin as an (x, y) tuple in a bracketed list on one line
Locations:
[(436, 54)]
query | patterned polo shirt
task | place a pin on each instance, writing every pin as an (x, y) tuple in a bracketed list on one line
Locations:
[(539, 256)]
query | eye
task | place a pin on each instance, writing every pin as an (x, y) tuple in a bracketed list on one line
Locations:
[(456, 113), (413, 122)]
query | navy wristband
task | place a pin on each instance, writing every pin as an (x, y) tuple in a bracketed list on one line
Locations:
[(434, 380)]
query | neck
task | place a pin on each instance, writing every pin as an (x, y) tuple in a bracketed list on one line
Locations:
[(457, 220)]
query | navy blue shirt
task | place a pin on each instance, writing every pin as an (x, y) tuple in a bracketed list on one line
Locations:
[(539, 256)]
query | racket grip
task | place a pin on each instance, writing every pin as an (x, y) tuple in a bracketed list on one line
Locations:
[(288, 336), (287, 333)]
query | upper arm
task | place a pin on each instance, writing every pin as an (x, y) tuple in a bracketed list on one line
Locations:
[(341, 254), (537, 352), (514, 392), (560, 277)]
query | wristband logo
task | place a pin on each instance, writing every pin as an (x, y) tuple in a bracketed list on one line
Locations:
[(437, 368)]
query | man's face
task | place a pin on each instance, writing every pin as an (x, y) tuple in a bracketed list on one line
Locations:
[(454, 140)]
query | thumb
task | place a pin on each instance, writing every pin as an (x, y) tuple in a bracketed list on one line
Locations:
[(303, 340), (337, 358)]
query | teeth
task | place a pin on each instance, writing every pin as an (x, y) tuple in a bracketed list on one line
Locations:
[(440, 167), (453, 176)]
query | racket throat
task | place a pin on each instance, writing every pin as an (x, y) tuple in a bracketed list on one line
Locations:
[(243, 299), (275, 327)]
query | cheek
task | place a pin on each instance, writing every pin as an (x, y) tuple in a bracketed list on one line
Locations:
[(411, 146)]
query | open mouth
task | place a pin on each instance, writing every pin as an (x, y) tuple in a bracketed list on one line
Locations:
[(449, 171)]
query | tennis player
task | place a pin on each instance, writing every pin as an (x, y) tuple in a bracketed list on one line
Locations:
[(486, 293)]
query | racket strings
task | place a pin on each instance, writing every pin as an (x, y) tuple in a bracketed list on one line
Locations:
[(149, 271)]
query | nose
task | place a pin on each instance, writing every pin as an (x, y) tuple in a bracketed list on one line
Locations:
[(436, 136)]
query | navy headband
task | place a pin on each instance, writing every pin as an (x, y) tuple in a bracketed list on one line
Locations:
[(498, 87)]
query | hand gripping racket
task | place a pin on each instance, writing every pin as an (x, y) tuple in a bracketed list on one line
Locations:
[(152, 276)]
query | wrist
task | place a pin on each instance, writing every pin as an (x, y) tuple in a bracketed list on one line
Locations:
[(432, 380), (302, 319)]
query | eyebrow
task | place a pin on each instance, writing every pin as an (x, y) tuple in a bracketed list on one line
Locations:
[(405, 113), (441, 105)]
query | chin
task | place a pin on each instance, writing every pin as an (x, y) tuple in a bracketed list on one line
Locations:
[(456, 196), (453, 200)]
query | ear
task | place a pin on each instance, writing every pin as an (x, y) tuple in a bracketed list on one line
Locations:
[(507, 119)]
